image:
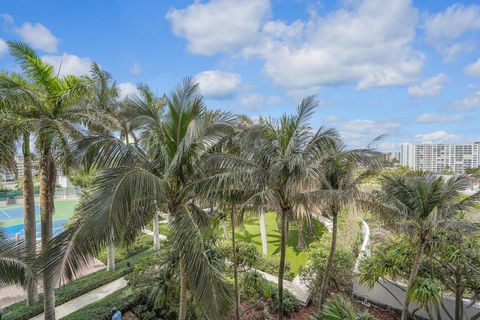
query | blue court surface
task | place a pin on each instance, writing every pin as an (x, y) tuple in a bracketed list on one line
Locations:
[(12, 230), (14, 213)]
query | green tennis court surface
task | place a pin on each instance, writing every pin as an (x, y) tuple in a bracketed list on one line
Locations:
[(13, 215)]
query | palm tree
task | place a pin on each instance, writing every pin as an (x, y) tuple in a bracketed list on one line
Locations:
[(343, 172), (133, 180), (54, 105), (18, 129), (15, 266), (156, 105), (277, 165), (420, 204)]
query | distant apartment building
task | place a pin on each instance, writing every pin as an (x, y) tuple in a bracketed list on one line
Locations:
[(440, 157), (392, 156), (10, 175)]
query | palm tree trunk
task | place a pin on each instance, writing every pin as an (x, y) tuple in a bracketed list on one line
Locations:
[(301, 245), (331, 256), (458, 298), (263, 231), (413, 277), (29, 215), (156, 237), (310, 231), (225, 230), (47, 187), (182, 312), (111, 252), (281, 269), (235, 262)]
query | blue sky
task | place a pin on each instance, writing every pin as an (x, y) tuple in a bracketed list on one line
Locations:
[(407, 69)]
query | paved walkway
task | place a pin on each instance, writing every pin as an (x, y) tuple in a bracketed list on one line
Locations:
[(86, 299)]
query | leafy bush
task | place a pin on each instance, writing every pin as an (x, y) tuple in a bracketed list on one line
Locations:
[(256, 289), (144, 242), (73, 289), (340, 308), (123, 299), (249, 258), (342, 271)]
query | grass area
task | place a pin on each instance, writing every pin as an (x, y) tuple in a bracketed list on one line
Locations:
[(63, 210), (250, 232)]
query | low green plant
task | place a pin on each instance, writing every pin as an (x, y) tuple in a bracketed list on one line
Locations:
[(73, 289), (123, 299), (340, 308), (144, 242), (342, 271)]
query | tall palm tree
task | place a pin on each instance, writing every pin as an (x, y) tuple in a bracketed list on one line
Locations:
[(18, 128), (421, 204), (277, 165), (105, 100), (133, 180), (60, 119), (343, 172), (147, 100)]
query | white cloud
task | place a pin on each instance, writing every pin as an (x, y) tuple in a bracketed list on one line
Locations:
[(429, 87), (469, 102), (367, 43), (3, 47), (439, 136), (219, 25), (69, 64), (273, 100), (370, 45), (445, 28), (136, 68), (359, 132), (38, 36), (473, 69), (434, 117), (127, 89), (252, 101), (7, 19), (218, 84)]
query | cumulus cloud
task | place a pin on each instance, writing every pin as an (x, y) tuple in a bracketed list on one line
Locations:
[(469, 102), (429, 87), (38, 36), (252, 101), (127, 89), (366, 43), (473, 69), (444, 29), (219, 25), (3, 47), (69, 64), (439, 136), (218, 84), (438, 118), (359, 133)]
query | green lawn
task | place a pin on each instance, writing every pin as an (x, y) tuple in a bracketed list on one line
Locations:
[(63, 210), (250, 232)]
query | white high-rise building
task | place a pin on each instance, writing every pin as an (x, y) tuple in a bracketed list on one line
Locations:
[(440, 157)]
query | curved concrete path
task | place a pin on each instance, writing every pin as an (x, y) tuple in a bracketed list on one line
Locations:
[(86, 299)]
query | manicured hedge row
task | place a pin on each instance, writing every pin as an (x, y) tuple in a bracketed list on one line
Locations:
[(73, 289), (143, 242), (123, 299)]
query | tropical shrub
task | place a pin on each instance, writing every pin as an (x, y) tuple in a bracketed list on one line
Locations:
[(342, 270), (340, 308)]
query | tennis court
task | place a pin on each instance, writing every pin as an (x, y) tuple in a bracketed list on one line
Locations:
[(11, 217)]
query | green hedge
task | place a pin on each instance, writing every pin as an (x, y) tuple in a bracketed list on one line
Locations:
[(73, 289), (123, 299), (144, 242)]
